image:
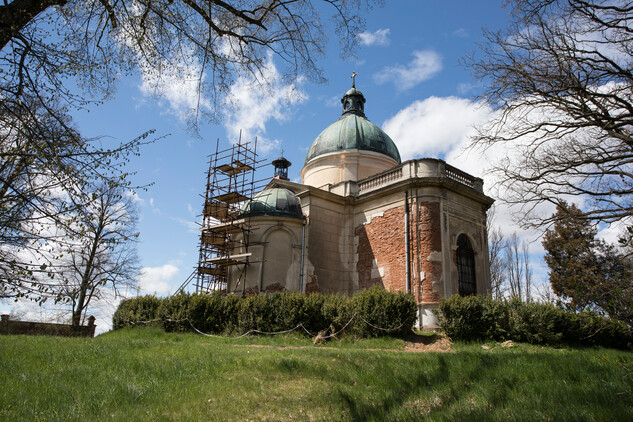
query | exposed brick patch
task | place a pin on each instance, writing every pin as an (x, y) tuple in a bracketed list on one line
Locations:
[(275, 287), (381, 245), (250, 291), (313, 285), (429, 240)]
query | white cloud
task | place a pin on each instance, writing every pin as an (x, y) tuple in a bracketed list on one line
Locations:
[(425, 64), (379, 37), (465, 87), (613, 232), (191, 211), (435, 126), (460, 33), (179, 84), (191, 226), (334, 102), (134, 197), (152, 205), (254, 104), (156, 280)]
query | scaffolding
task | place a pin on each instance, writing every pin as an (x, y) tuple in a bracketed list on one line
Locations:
[(230, 182)]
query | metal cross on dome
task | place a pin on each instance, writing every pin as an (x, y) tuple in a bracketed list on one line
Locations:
[(354, 74)]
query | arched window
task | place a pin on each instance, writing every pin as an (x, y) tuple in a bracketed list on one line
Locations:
[(465, 266)]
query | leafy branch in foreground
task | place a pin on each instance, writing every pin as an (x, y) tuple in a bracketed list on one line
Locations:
[(44, 45)]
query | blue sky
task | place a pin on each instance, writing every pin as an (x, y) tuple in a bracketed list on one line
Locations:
[(409, 54), (408, 69)]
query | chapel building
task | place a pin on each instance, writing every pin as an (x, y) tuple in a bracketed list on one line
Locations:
[(361, 217)]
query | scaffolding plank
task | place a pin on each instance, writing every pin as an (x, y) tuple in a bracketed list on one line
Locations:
[(211, 271), (231, 197), (235, 226), (222, 230), (240, 166), (216, 239), (217, 210), (229, 260), (234, 168), (225, 168)]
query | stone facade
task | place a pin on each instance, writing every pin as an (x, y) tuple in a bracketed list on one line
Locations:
[(357, 239), (368, 219)]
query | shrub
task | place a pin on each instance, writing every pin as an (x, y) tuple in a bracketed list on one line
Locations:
[(481, 318), (291, 310), (215, 313), (336, 311), (391, 313), (136, 311), (592, 329), (174, 313), (534, 323), (379, 313), (470, 318)]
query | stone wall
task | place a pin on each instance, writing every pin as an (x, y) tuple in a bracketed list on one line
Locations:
[(328, 241), (46, 328)]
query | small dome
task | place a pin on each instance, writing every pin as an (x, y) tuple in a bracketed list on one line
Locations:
[(353, 131), (273, 201)]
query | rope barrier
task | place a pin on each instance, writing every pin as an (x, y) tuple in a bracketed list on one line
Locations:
[(250, 332), (385, 329)]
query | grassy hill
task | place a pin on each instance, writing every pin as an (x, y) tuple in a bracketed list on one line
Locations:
[(145, 374)]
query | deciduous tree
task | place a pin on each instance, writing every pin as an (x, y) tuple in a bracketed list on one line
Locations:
[(46, 44), (101, 251), (561, 79), (48, 172)]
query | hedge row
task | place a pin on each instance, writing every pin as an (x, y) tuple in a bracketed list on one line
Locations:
[(482, 318), (374, 312)]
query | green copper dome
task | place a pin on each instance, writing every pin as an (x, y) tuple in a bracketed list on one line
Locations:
[(353, 131), (273, 201)]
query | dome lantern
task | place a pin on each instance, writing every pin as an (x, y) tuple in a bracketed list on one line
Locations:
[(353, 101), (281, 167)]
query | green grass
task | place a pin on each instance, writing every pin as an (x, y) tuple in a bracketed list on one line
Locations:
[(145, 374)]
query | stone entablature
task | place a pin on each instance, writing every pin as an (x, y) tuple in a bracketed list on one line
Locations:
[(429, 170)]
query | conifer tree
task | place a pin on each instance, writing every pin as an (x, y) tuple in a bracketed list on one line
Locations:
[(587, 273), (570, 255)]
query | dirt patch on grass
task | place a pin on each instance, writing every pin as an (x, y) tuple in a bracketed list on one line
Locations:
[(415, 343), (425, 343)]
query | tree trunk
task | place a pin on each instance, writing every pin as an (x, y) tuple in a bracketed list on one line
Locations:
[(17, 14), (86, 279)]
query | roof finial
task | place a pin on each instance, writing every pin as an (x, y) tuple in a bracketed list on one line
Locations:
[(354, 74)]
